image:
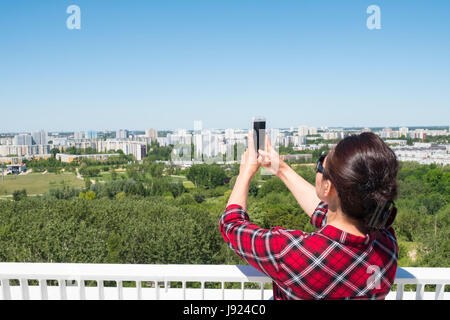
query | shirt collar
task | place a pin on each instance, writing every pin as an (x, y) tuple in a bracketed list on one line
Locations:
[(344, 237)]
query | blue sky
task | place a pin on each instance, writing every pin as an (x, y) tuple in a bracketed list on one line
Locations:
[(164, 64)]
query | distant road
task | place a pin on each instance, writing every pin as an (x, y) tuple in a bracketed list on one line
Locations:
[(183, 177), (26, 172)]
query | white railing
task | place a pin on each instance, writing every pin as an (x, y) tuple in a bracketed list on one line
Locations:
[(173, 282)]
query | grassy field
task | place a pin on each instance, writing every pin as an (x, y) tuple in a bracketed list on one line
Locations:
[(302, 164), (186, 183), (106, 176), (38, 183)]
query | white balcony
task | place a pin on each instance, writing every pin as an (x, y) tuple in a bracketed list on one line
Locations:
[(172, 282)]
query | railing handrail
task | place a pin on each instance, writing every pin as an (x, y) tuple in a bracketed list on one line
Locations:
[(184, 273), (159, 272), (418, 275)]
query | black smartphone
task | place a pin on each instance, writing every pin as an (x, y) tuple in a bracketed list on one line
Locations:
[(259, 133)]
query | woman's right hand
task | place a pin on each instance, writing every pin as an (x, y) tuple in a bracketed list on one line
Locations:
[(270, 159)]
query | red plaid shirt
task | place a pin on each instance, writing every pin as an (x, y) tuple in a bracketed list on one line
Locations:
[(326, 264)]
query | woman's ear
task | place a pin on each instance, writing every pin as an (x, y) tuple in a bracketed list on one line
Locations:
[(328, 188)]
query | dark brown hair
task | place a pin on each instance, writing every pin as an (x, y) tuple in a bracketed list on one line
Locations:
[(363, 169)]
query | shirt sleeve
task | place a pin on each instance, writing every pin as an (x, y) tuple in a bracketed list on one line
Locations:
[(319, 216), (257, 246)]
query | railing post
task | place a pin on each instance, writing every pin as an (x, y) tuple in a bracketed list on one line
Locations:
[(62, 289), (184, 290), (139, 290), (203, 290), (81, 290), (242, 290), (439, 295), (400, 289), (262, 290), (223, 290), (157, 290), (24, 289), (101, 289), (420, 291), (119, 289), (43, 289), (6, 289)]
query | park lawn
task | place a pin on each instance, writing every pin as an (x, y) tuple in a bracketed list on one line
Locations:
[(38, 183), (301, 164), (105, 176), (186, 183)]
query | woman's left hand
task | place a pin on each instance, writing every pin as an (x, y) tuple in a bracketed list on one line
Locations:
[(249, 161)]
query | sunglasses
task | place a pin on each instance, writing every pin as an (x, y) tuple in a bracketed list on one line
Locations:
[(319, 163)]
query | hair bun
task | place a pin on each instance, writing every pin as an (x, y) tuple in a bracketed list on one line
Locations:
[(382, 215)]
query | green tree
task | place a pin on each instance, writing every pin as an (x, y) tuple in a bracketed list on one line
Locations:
[(208, 176), (274, 184), (114, 247), (253, 188), (199, 196), (113, 175), (120, 195), (54, 151), (19, 194), (90, 195), (87, 183)]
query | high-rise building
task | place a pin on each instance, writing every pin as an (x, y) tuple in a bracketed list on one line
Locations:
[(303, 130), (163, 141), (208, 143), (40, 137), (23, 140), (229, 133), (136, 148), (78, 135), (386, 133), (403, 131), (121, 134), (91, 135), (312, 130), (152, 134), (418, 133)]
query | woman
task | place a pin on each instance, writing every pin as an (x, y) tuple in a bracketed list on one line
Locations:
[(353, 254)]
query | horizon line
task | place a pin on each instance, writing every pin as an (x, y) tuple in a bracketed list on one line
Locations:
[(212, 128)]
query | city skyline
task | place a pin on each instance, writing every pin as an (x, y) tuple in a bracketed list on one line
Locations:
[(212, 145), (143, 130), (164, 65)]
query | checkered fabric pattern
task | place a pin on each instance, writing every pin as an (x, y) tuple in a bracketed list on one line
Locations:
[(326, 264)]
